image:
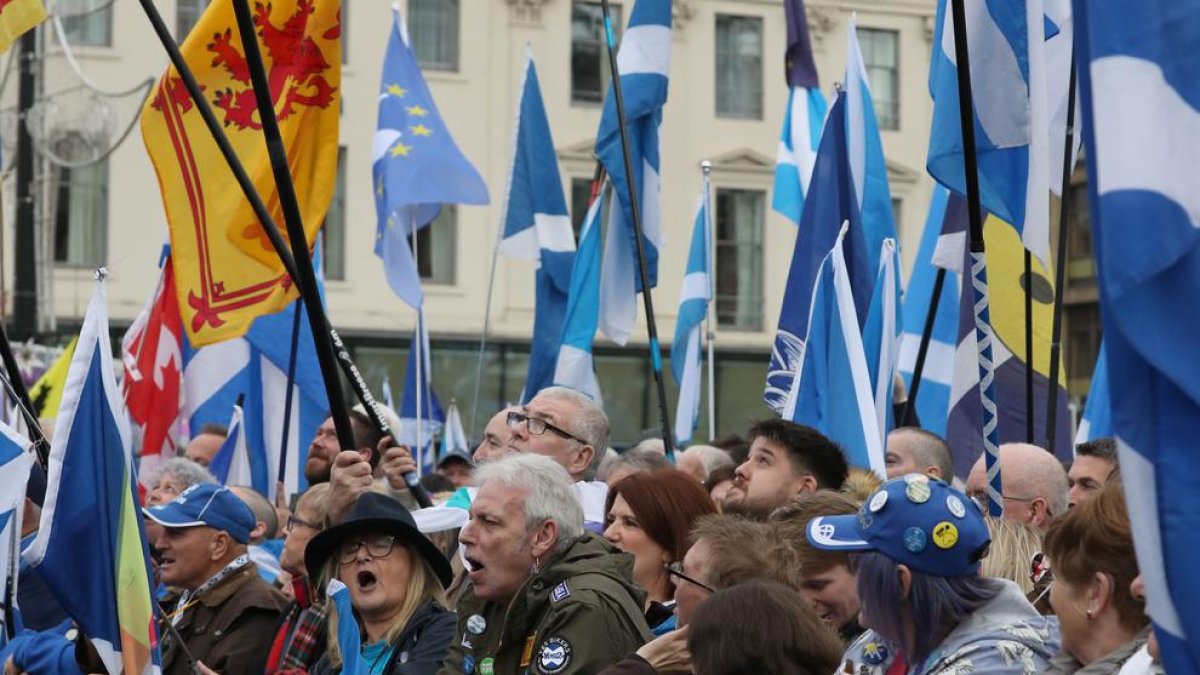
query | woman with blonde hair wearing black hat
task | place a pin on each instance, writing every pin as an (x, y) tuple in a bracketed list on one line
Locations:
[(396, 578)]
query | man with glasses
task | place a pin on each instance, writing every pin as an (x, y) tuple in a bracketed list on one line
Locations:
[(1034, 484), (226, 614)]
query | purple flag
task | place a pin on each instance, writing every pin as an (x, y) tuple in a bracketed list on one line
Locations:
[(798, 64)]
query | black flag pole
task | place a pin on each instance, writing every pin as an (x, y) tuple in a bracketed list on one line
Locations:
[(635, 209), (17, 385), (281, 476), (935, 298), (1028, 286), (357, 382), (1060, 265)]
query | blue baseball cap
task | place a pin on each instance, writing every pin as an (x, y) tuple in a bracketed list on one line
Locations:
[(206, 504), (916, 520)]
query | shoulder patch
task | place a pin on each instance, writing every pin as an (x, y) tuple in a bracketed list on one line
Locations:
[(553, 656), (560, 592)]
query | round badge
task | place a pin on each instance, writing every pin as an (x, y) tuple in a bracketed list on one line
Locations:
[(874, 653), (476, 624), (878, 501), (916, 478), (956, 507), (914, 539), (554, 656), (487, 667), (917, 492), (945, 534), (468, 664)]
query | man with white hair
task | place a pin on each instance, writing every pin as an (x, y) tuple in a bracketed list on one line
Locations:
[(1034, 484), (699, 461), (546, 595)]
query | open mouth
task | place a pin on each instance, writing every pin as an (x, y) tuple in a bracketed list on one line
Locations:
[(366, 580), (474, 564)]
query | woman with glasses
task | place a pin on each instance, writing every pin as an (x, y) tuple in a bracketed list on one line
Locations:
[(300, 640), (397, 580), (649, 515)]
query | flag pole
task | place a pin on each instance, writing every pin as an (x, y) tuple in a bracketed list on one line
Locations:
[(357, 382), (281, 478), (983, 331), (1028, 279), (935, 298), (639, 244), (487, 319), (1060, 267), (710, 333), (418, 348), (36, 435)]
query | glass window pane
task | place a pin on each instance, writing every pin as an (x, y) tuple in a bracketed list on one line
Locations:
[(433, 32), (333, 234), (589, 59), (739, 282), (91, 30), (81, 216), (581, 194), (880, 50), (739, 67), (435, 248), (187, 13)]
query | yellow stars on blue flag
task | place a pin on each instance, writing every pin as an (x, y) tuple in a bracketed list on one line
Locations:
[(417, 111), (395, 90), (421, 130), (400, 149)]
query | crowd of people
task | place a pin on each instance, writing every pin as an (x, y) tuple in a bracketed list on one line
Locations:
[(548, 553)]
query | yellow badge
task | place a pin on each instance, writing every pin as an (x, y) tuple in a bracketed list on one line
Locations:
[(527, 653), (945, 535)]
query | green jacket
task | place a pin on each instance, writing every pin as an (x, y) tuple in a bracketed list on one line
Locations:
[(580, 613)]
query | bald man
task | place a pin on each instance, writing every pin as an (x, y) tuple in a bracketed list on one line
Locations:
[(1033, 482), (913, 450)]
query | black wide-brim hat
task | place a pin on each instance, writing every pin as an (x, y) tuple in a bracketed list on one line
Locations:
[(374, 513)]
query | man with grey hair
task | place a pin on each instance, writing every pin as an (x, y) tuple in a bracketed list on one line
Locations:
[(546, 595), (1034, 484), (699, 461), (614, 468), (913, 450)]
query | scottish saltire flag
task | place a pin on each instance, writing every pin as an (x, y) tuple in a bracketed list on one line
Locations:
[(1097, 420), (575, 367), (933, 398), (643, 61), (231, 464), (348, 636), (416, 166), (15, 462), (538, 227), (1008, 87), (881, 334), (1141, 108), (1060, 40), (91, 505), (834, 394), (454, 439), (693, 310), (256, 366), (830, 203), (803, 119), (421, 415)]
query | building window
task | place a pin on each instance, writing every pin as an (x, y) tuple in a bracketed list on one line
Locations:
[(739, 67), (81, 216), (881, 57), (93, 29), (581, 196), (187, 15), (433, 33), (333, 232), (1082, 345), (435, 247), (589, 57), (344, 22), (897, 213), (739, 282)]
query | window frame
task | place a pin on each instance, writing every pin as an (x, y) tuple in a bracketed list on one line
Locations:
[(755, 316), (730, 111), (887, 120)]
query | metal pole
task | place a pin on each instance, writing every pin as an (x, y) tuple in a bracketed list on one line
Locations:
[(983, 333), (1060, 267), (939, 282), (710, 333), (25, 282), (418, 349), (1028, 347), (281, 476), (639, 244), (487, 319)]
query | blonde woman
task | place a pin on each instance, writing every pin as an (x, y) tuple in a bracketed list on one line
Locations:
[(1014, 544), (397, 580)]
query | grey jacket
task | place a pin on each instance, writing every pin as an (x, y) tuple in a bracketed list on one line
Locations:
[(1065, 664)]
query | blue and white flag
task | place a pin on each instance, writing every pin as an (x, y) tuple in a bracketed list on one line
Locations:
[(693, 310), (15, 463), (803, 119), (389, 399), (1008, 88), (1097, 420), (416, 166), (834, 394), (933, 397), (231, 464), (349, 638), (421, 415), (1141, 110), (538, 227), (91, 506), (831, 202), (454, 439), (643, 62), (881, 335), (575, 367)]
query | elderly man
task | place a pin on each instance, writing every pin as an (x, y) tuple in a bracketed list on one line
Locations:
[(495, 437), (1094, 463), (1034, 484), (226, 613), (913, 450), (699, 461), (786, 459), (546, 595), (204, 445)]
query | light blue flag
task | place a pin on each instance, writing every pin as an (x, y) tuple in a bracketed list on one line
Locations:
[(803, 119), (834, 394), (454, 439), (15, 463), (933, 397), (348, 635), (693, 309), (417, 167), (421, 415), (881, 335), (1141, 110), (575, 367), (538, 227), (643, 62), (1097, 419), (231, 464), (1008, 87)]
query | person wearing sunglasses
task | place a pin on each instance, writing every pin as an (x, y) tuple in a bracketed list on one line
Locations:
[(397, 580)]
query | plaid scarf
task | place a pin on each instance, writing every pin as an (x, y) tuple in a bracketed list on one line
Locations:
[(300, 640)]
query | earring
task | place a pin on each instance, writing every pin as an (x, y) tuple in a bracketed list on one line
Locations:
[(537, 565), (1089, 613)]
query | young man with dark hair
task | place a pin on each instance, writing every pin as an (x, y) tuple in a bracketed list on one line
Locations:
[(1094, 463), (786, 459)]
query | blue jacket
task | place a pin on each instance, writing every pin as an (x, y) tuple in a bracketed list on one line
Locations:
[(46, 652)]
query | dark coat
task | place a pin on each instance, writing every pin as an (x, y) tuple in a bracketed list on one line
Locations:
[(419, 649)]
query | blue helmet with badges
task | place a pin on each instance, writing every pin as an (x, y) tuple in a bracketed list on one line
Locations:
[(916, 520)]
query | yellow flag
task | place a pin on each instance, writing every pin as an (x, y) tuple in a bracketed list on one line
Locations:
[(46, 393), (17, 17), (226, 271)]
